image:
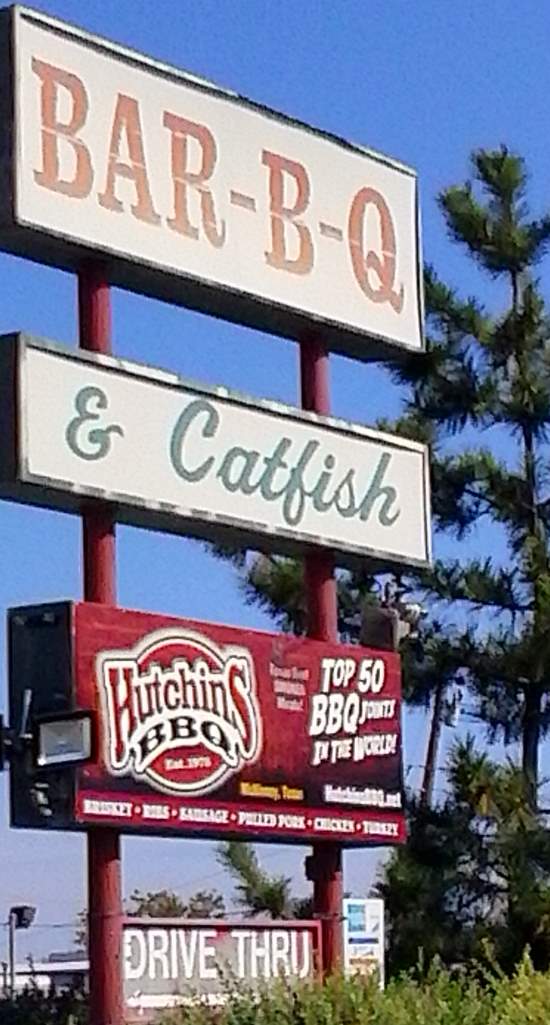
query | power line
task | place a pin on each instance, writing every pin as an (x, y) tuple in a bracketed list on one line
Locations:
[(47, 925), (138, 918)]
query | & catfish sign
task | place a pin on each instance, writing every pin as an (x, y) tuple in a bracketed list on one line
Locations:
[(168, 454), (198, 196), (209, 730)]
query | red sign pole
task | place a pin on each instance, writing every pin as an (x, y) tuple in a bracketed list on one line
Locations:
[(104, 865), (324, 867)]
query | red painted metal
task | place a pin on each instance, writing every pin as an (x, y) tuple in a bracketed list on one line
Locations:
[(94, 310), (99, 568), (325, 865)]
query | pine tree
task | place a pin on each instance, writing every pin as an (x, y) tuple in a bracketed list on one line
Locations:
[(474, 876), (168, 904), (483, 389), (489, 378), (161, 904), (258, 892)]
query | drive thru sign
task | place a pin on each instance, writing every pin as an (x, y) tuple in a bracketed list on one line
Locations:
[(173, 961)]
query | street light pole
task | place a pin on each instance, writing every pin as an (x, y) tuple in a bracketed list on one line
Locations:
[(20, 917), (11, 952)]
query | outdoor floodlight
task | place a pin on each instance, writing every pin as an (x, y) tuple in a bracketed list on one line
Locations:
[(63, 739), (23, 916), (380, 628), (385, 626)]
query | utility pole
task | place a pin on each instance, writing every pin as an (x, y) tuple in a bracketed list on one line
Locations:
[(20, 917), (11, 951), (426, 792)]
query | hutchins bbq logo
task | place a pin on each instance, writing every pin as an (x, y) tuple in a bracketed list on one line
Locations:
[(181, 711)]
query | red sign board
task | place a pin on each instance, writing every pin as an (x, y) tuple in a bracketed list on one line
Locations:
[(209, 730)]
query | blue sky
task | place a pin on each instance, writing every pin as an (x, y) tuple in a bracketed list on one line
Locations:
[(424, 82)]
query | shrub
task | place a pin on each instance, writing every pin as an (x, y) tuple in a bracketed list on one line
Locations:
[(440, 997), (436, 997), (32, 1007)]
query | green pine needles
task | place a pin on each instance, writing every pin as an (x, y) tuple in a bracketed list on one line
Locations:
[(476, 868)]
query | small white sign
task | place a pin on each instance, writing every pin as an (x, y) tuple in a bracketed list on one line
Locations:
[(364, 937), (199, 196), (171, 455)]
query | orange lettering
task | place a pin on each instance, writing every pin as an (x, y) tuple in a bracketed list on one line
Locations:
[(383, 268), (127, 120), (282, 215), (53, 131), (181, 130)]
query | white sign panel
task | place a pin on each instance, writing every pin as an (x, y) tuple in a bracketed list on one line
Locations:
[(202, 197), (166, 962), (184, 458), (364, 937)]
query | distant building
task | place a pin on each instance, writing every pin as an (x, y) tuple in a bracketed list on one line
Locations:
[(67, 970)]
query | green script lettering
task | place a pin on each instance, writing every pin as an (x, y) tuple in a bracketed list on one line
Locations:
[(328, 488), (273, 463), (294, 510), (193, 410), (374, 492), (248, 458), (349, 508), (325, 478), (89, 403)]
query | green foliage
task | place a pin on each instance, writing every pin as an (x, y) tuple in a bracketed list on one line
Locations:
[(156, 904), (258, 892), (490, 376), (476, 867), (496, 230), (167, 904), (436, 997), (161, 904), (276, 584), (32, 1007), (439, 997), (474, 874)]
